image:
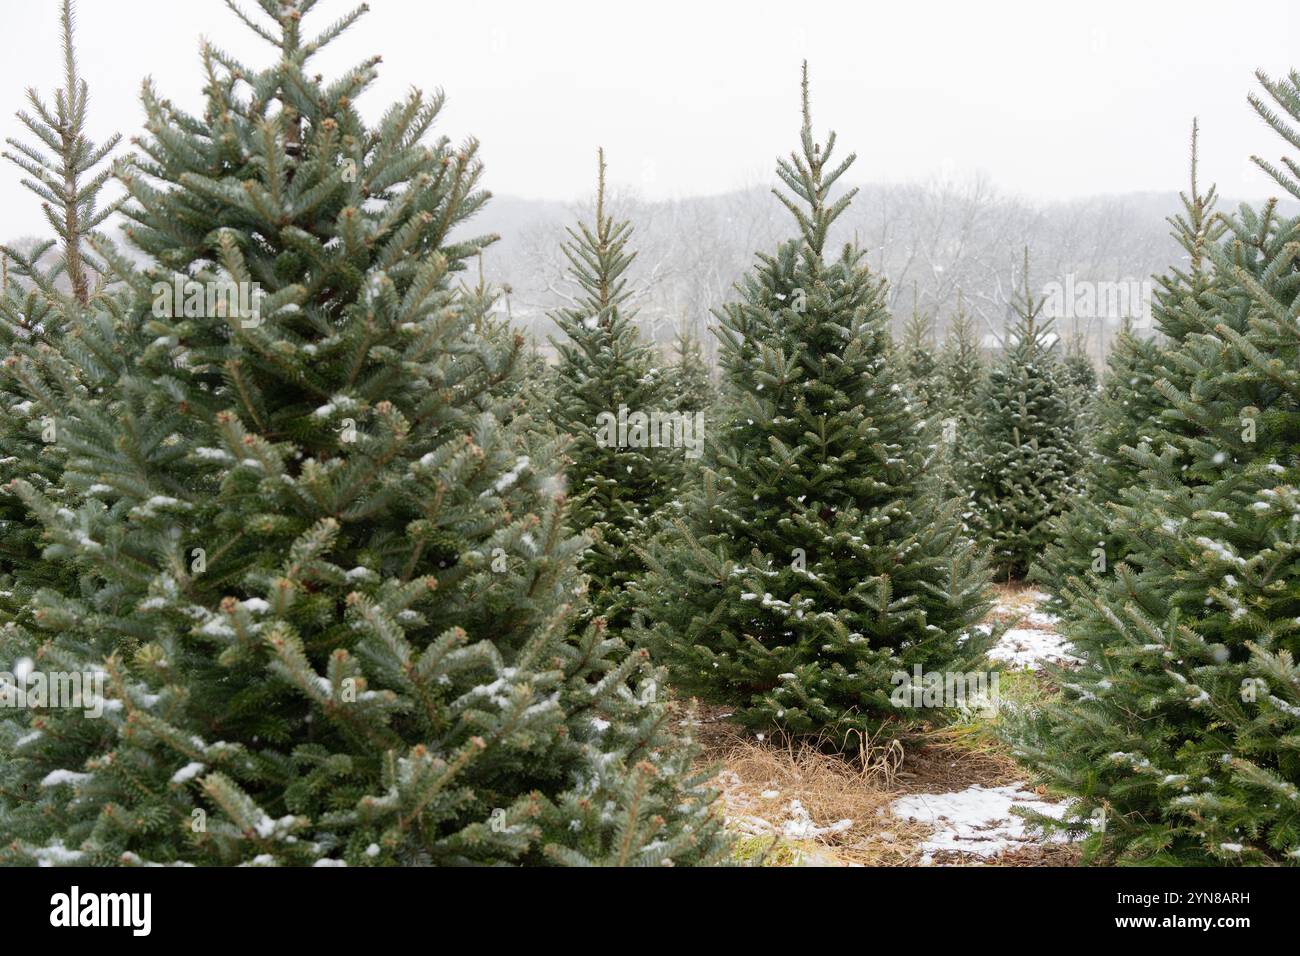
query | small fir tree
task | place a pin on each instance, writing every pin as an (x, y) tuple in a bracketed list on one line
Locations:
[(1023, 453), (1080, 378), (920, 366), (813, 562), (1123, 416), (689, 381), (961, 376), (961, 366), (607, 387)]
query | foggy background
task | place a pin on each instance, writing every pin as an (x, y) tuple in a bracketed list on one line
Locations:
[(979, 128)]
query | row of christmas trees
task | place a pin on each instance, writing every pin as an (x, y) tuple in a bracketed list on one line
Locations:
[(354, 580), (1014, 433)]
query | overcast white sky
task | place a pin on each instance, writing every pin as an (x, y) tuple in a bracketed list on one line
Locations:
[(1051, 100)]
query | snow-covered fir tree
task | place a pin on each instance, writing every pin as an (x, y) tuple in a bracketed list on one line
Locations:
[(62, 166), (317, 566), (813, 560), (689, 380), (1178, 732), (919, 362), (609, 396), (1080, 379), (961, 367), (1022, 449), (961, 376)]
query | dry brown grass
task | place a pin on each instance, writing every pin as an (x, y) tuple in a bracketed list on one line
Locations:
[(830, 788), (1014, 601), (758, 780), (952, 758)]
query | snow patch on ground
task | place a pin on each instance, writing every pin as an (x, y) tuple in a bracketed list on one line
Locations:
[(797, 825), (1029, 647), (977, 820), (800, 825)]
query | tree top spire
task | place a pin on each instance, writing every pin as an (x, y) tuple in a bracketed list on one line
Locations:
[(806, 176), (288, 15), (1028, 309), (67, 182), (600, 186), (1197, 226), (598, 256)]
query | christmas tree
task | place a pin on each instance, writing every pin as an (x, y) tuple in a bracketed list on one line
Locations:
[(1023, 451), (1177, 735), (1129, 406), (69, 181), (920, 365), (1122, 417), (1080, 379), (612, 401), (813, 563), (689, 380), (961, 367), (961, 376), (325, 585), (67, 171)]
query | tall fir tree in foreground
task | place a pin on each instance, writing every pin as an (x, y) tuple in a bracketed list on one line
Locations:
[(67, 171), (322, 564), (1179, 730), (812, 561), (1023, 452), (618, 476)]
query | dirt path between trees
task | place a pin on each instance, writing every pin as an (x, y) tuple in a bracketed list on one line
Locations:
[(945, 800)]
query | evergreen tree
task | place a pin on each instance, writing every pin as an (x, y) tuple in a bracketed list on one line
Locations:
[(67, 172), (920, 365), (606, 387), (68, 180), (1124, 412), (1077, 371), (536, 384), (961, 365), (480, 303), (539, 381), (322, 565), (689, 381), (1179, 729), (1023, 451), (1129, 407), (812, 561), (961, 376), (1080, 379)]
